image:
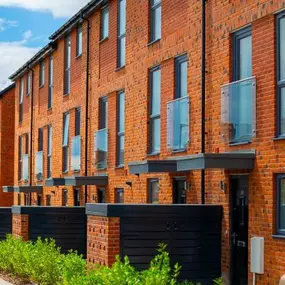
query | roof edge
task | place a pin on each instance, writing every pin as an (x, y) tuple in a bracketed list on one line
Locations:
[(5, 90)]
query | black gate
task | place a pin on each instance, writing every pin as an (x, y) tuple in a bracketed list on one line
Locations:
[(5, 222)]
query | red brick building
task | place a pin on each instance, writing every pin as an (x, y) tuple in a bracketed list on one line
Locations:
[(7, 114), (121, 84)]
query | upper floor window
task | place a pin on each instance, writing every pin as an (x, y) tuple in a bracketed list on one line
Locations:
[(104, 22), (67, 65), (40, 139), (76, 144), (280, 206), (79, 40), (121, 129), (49, 154), (155, 20), (181, 78), (28, 84), (65, 142), (50, 83), (21, 98), (281, 74), (77, 121), (20, 158), (122, 33), (42, 73), (239, 97), (154, 110)]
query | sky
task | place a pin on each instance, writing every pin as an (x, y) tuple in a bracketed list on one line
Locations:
[(25, 26)]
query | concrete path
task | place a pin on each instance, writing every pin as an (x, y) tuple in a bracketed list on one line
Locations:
[(2, 282)]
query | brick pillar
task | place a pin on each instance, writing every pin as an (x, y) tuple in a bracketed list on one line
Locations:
[(20, 226), (103, 239)]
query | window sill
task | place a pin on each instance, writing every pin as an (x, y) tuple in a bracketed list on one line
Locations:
[(27, 94), (153, 42), (42, 86), (76, 171), (65, 172), (120, 68), (78, 56), (278, 236), (179, 150), (278, 138), (49, 109), (101, 169), (103, 40), (66, 94), (120, 167), (239, 143), (153, 154)]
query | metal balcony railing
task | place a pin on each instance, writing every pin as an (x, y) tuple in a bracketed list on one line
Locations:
[(238, 110), (178, 123), (101, 148)]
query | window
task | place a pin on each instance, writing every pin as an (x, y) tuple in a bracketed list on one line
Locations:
[(76, 195), (28, 201), (64, 197), (67, 64), (50, 83), (19, 200), (154, 110), (42, 73), (121, 33), (40, 139), (281, 74), (155, 20), (280, 207), (119, 196), (153, 191), (20, 158), (103, 110), (77, 121), (104, 23), (121, 128), (49, 154), (79, 41), (26, 143), (48, 200), (181, 82), (76, 144), (28, 84), (101, 196), (21, 97), (65, 141)]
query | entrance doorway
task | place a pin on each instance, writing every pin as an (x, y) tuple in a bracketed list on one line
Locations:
[(179, 190), (239, 229)]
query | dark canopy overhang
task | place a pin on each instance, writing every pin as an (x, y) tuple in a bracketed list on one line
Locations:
[(100, 180), (23, 189), (226, 160), (152, 166)]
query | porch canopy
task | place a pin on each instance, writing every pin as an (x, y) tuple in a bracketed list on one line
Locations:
[(23, 189), (226, 160), (99, 180)]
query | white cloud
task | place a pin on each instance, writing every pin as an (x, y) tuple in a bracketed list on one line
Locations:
[(59, 8), (5, 24), (13, 55)]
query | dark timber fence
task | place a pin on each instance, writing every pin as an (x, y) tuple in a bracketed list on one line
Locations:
[(5, 222)]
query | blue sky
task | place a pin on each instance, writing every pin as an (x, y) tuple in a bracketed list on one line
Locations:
[(25, 26)]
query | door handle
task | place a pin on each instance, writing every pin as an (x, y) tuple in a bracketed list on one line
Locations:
[(175, 226), (167, 226)]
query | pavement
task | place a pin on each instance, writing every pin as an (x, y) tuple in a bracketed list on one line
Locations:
[(2, 282)]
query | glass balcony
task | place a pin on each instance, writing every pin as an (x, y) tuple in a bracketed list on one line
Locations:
[(76, 153), (39, 165), (25, 168), (101, 148), (238, 111), (178, 123)]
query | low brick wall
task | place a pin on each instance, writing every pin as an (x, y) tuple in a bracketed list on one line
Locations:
[(20, 226)]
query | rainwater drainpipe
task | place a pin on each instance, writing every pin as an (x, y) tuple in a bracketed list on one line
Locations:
[(203, 91)]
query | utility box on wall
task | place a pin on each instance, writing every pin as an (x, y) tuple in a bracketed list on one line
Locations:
[(257, 255)]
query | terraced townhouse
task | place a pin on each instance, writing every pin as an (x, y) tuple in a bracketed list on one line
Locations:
[(162, 101)]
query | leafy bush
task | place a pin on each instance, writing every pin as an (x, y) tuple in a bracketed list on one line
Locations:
[(42, 262)]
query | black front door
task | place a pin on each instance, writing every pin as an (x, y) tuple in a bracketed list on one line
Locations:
[(179, 191), (239, 230)]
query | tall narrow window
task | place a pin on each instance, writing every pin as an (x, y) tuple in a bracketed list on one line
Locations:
[(20, 158), (64, 197), (119, 196), (154, 118), (104, 22), (101, 193), (67, 64), (181, 83), (49, 155), (26, 143), (42, 73), (28, 84), (76, 144), (155, 20), (121, 33), (79, 41), (48, 200), (281, 74), (121, 129), (21, 98), (50, 83), (103, 105), (77, 121), (40, 139), (280, 207), (39, 199), (65, 141), (153, 191), (76, 195)]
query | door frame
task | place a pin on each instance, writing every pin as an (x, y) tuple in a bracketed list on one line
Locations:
[(232, 259)]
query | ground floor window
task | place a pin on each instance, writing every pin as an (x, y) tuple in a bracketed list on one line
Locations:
[(153, 191), (39, 200), (64, 197), (280, 207), (101, 196), (76, 194), (179, 190), (48, 200), (119, 196)]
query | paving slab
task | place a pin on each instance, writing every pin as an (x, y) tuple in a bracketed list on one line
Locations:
[(3, 282)]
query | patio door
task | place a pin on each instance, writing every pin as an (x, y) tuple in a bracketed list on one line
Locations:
[(239, 230)]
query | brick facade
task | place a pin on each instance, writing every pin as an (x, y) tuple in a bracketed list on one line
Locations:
[(181, 34), (20, 226)]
